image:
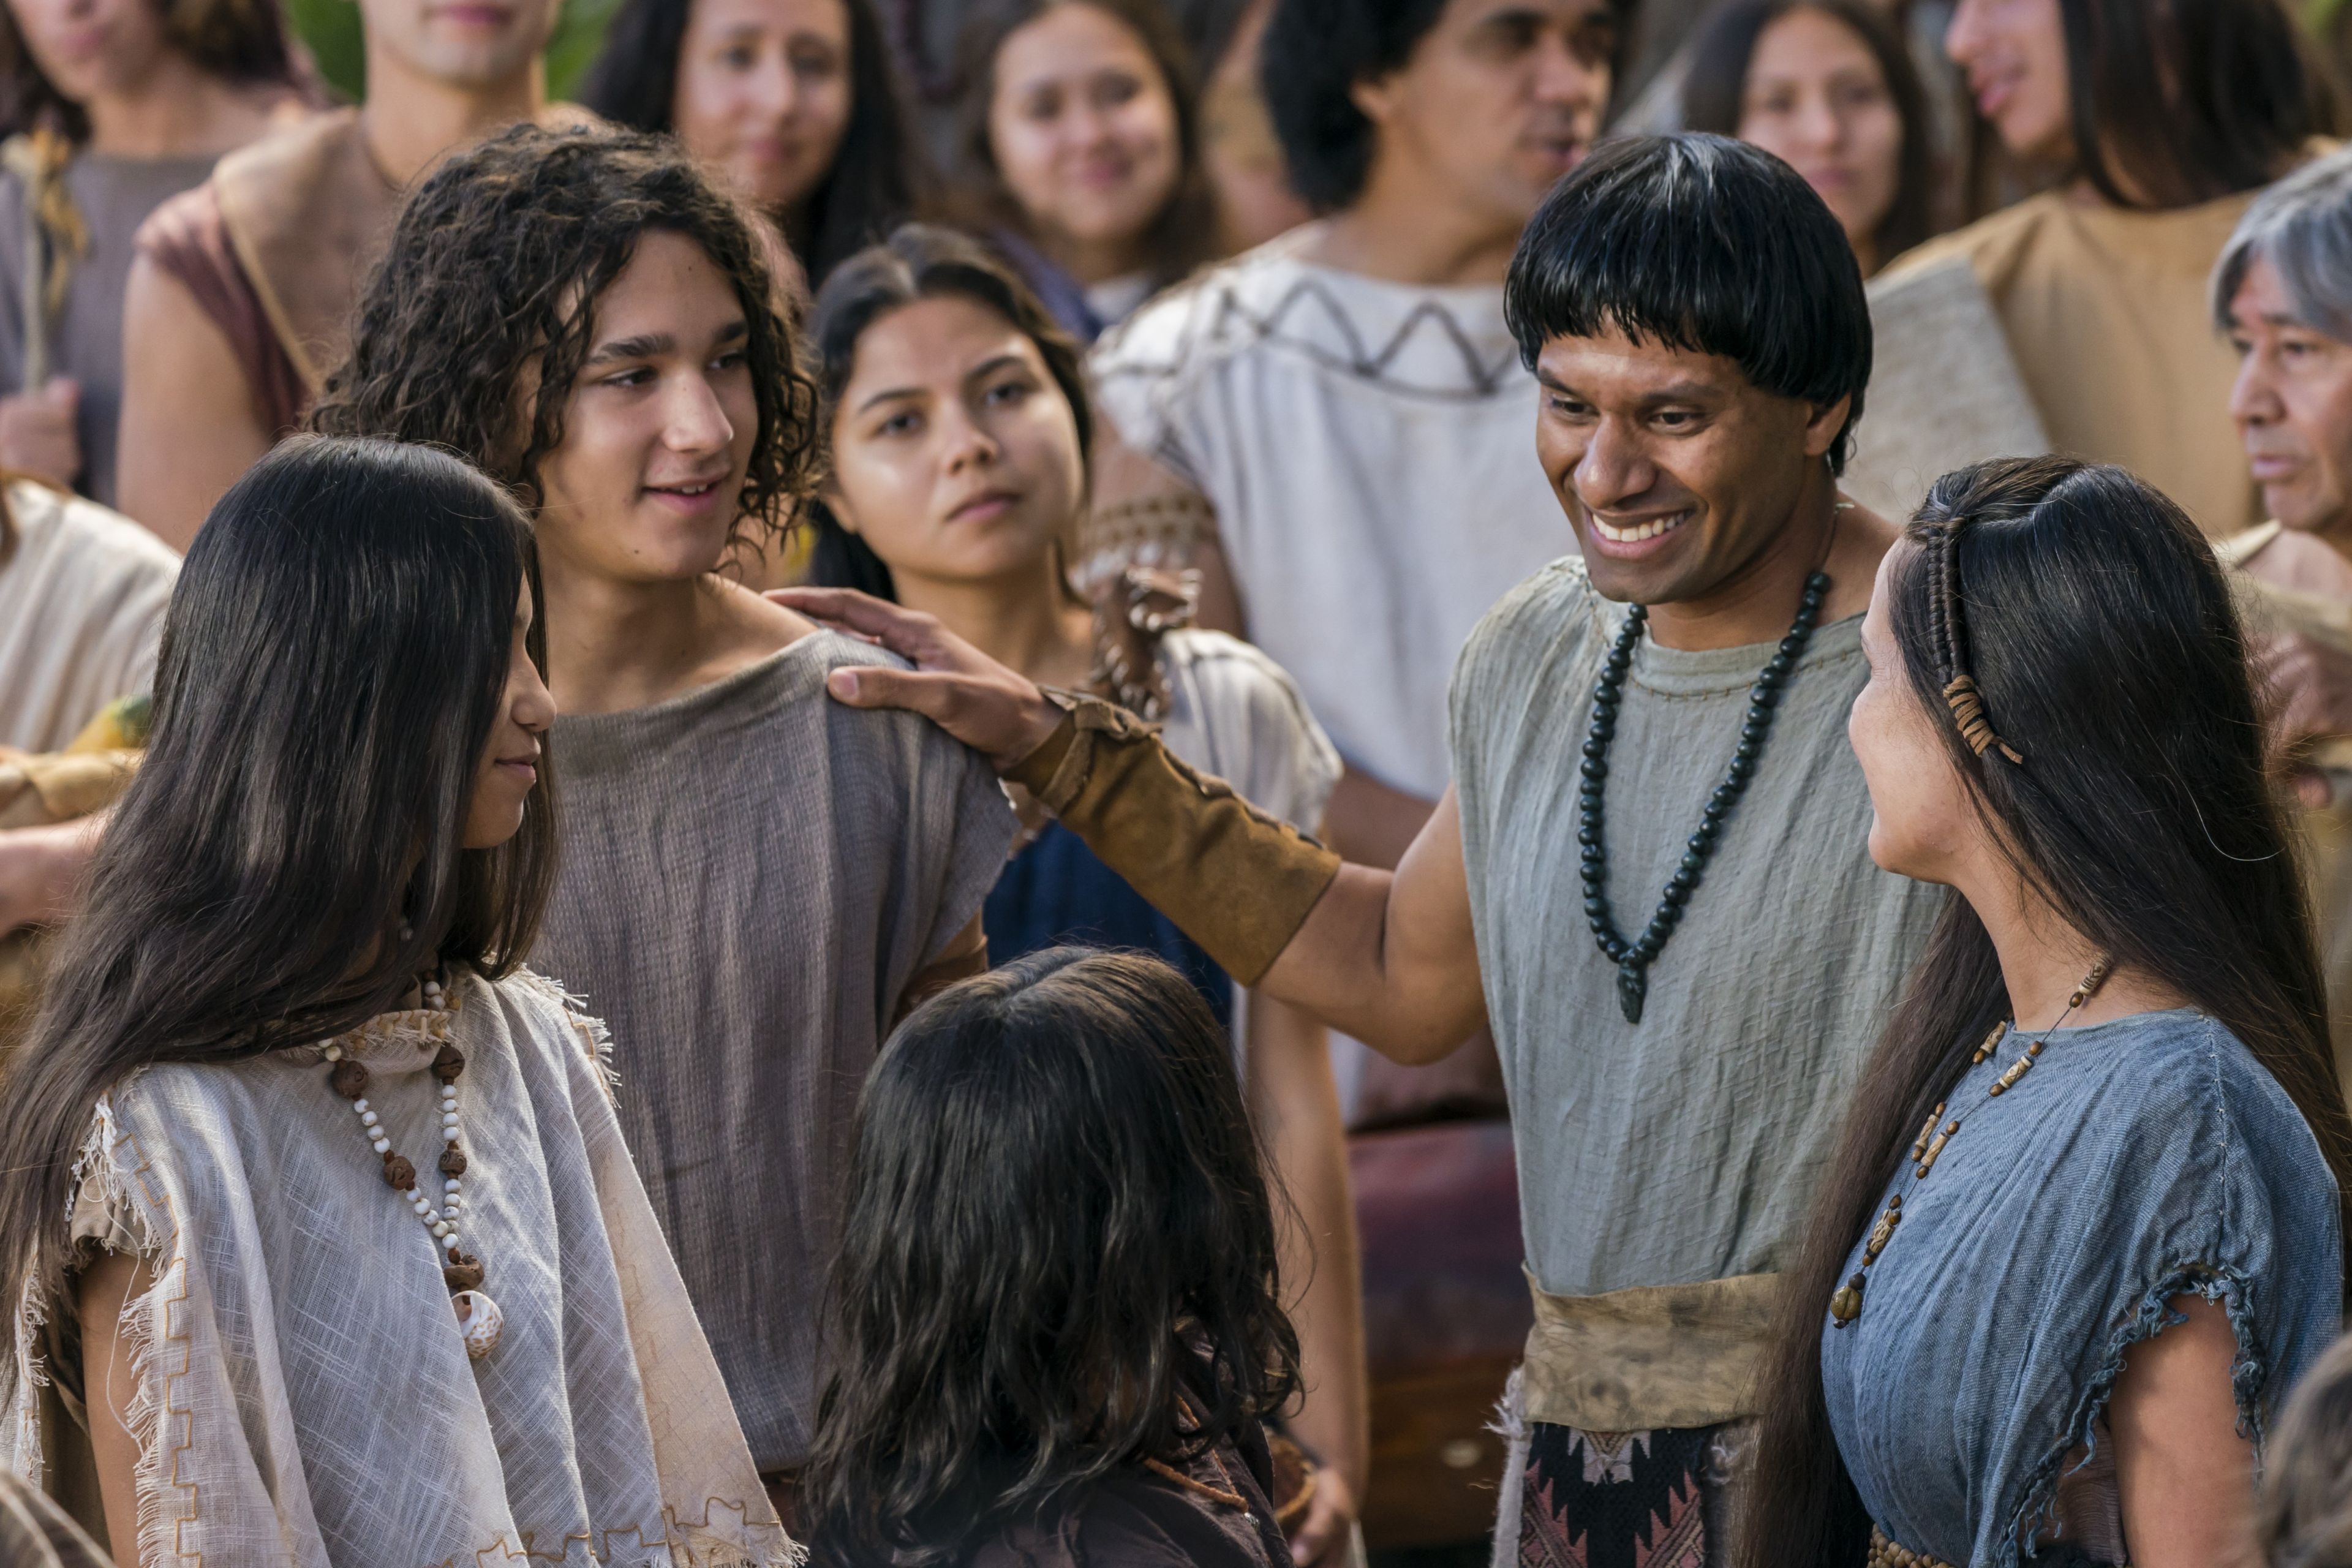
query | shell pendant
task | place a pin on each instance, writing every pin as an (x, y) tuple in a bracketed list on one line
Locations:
[(479, 1321)]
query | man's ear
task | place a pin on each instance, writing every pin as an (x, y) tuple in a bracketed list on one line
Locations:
[(1375, 97), (1821, 429)]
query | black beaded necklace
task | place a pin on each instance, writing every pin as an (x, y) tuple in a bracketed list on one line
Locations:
[(1633, 959)]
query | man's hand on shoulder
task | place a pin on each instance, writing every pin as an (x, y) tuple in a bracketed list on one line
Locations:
[(995, 709)]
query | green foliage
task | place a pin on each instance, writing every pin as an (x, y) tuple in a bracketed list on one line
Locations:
[(332, 28)]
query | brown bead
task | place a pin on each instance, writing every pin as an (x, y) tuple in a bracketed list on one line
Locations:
[(399, 1173), (447, 1063), (465, 1274), (453, 1161), (350, 1079)]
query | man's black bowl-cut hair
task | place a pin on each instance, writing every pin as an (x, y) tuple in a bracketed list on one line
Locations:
[(1702, 244)]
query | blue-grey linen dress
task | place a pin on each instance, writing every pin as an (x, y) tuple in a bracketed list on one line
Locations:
[(2138, 1159)]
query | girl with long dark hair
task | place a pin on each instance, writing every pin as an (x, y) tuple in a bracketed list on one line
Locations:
[(793, 102), (313, 1203), (1077, 128), (2086, 1228), (2158, 123), (960, 437), (1828, 87), (1057, 1327)]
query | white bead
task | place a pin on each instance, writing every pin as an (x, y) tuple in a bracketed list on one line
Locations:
[(361, 1104), (333, 1053), (441, 1229), (450, 1186), (448, 1119), (450, 1132), (370, 1119), (382, 1144)]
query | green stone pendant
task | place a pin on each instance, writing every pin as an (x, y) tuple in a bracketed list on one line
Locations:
[(1633, 988)]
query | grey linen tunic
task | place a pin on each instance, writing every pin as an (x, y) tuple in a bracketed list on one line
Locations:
[(1683, 1148), (751, 874)]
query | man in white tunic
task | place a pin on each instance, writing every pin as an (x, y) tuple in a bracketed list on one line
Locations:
[(1338, 422)]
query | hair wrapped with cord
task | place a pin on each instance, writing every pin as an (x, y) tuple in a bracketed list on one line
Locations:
[(2108, 644), (1948, 622)]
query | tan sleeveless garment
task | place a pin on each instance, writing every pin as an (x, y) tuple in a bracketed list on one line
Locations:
[(306, 213)]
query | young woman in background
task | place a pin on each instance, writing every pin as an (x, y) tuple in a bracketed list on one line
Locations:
[(2159, 122), (791, 102), (1081, 153), (1827, 87)]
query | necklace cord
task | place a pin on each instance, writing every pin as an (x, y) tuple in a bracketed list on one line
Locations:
[(1633, 957), (1845, 1304)]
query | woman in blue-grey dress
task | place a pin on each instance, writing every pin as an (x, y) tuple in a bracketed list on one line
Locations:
[(2087, 1227)]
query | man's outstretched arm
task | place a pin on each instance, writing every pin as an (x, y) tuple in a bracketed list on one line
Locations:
[(1385, 956)]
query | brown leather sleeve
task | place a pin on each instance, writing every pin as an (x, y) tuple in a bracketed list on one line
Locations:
[(1233, 879), (186, 237)]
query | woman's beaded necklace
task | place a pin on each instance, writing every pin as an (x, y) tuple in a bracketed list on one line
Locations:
[(1633, 959), (1928, 1147), (478, 1316)]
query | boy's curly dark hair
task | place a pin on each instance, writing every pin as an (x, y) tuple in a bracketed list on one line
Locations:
[(493, 270)]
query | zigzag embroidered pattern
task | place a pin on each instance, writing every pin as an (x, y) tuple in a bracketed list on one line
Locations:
[(1219, 316)]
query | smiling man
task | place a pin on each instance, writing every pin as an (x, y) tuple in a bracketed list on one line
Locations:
[(1650, 874), (237, 304)]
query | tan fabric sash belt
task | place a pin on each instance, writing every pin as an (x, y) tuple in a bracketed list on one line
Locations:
[(1654, 1356)]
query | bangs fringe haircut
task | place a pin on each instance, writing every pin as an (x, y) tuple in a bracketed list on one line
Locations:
[(1706, 245)]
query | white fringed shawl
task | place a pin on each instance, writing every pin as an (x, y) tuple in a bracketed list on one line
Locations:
[(305, 1399)]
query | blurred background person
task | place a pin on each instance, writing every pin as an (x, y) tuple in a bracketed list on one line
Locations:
[(960, 434), (239, 299), (2159, 123), (1079, 153), (1241, 156), (793, 102), (1827, 87), (2282, 296), (2302, 1516), (117, 105)]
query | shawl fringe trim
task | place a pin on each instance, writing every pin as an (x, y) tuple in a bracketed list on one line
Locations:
[(595, 1039)]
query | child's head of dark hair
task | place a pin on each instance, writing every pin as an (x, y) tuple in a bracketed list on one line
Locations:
[(1058, 1257)]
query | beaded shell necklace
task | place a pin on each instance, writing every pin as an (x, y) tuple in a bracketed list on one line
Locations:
[(1634, 958), (478, 1318), (1928, 1147)]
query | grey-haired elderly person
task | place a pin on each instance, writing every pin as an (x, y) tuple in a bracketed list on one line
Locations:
[(2282, 294)]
